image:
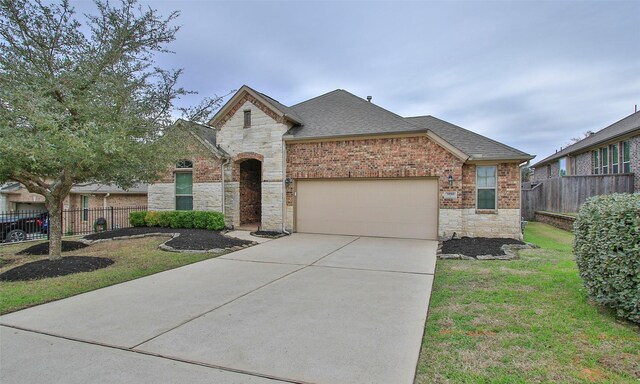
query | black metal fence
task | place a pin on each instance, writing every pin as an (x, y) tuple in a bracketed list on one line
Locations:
[(30, 225), (23, 225)]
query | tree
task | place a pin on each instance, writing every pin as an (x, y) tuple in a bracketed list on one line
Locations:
[(526, 173), (85, 103)]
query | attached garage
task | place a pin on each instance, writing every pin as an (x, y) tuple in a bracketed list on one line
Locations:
[(402, 208)]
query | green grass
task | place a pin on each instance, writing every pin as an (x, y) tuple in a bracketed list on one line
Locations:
[(524, 321), (133, 259)]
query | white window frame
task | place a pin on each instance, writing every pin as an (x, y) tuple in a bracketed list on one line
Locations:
[(628, 143), (604, 157), (183, 166), (615, 160), (560, 166), (495, 188), (85, 210)]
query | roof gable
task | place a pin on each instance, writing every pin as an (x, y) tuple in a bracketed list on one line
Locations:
[(627, 125), (271, 107), (205, 135), (474, 145)]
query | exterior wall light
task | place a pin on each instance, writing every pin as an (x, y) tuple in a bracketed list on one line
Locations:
[(288, 181), (450, 179)]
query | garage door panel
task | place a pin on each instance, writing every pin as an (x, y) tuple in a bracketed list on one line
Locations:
[(406, 208)]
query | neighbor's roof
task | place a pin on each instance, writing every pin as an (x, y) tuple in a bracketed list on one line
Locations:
[(476, 146), (623, 127), (108, 188), (10, 187)]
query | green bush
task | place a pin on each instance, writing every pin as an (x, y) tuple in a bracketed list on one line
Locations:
[(152, 219), (215, 221), (607, 250), (183, 219), (136, 219), (167, 219), (200, 219)]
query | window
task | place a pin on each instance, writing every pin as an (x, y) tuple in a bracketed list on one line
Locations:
[(184, 191), (247, 118), (563, 166), (615, 159), (604, 156), (626, 157), (184, 164), (84, 202), (486, 187), (595, 162)]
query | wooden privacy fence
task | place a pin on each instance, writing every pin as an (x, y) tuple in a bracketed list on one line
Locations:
[(568, 193)]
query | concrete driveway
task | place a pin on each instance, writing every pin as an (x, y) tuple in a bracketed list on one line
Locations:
[(303, 308)]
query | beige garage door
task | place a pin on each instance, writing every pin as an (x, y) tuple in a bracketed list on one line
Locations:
[(405, 208)]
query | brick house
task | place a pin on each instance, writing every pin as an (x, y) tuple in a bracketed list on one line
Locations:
[(340, 164), (610, 151)]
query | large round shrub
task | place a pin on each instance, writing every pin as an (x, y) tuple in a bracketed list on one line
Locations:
[(137, 218), (607, 250)]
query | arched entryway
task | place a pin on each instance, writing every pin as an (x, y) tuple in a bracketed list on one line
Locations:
[(250, 191)]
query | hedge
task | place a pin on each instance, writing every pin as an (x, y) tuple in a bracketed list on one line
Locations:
[(178, 219), (607, 250)]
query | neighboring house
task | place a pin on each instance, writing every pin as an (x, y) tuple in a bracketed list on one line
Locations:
[(612, 150), (82, 196), (84, 205), (15, 197), (338, 164)]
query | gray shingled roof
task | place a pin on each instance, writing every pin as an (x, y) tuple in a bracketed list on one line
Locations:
[(340, 113), (625, 126), (205, 133), (476, 146), (283, 108), (108, 188)]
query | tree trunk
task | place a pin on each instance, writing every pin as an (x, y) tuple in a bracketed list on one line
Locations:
[(55, 229)]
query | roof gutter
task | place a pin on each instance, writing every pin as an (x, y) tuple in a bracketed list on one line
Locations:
[(292, 138)]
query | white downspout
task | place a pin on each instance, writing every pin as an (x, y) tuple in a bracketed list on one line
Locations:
[(284, 187), (222, 166)]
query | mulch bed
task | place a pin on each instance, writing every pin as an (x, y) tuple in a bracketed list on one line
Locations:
[(268, 234), (46, 268), (43, 248), (477, 246), (189, 239)]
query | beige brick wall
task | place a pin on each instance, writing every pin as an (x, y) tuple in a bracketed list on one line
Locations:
[(162, 197), (262, 141)]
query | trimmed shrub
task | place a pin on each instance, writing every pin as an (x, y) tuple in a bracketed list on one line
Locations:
[(213, 221), (152, 219), (168, 219), (607, 250), (136, 219), (200, 219)]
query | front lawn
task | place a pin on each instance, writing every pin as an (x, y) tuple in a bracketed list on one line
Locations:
[(524, 321), (133, 259)]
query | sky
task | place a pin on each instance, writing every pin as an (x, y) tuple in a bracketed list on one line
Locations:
[(532, 75)]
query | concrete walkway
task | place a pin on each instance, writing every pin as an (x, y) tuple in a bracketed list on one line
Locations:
[(303, 308)]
